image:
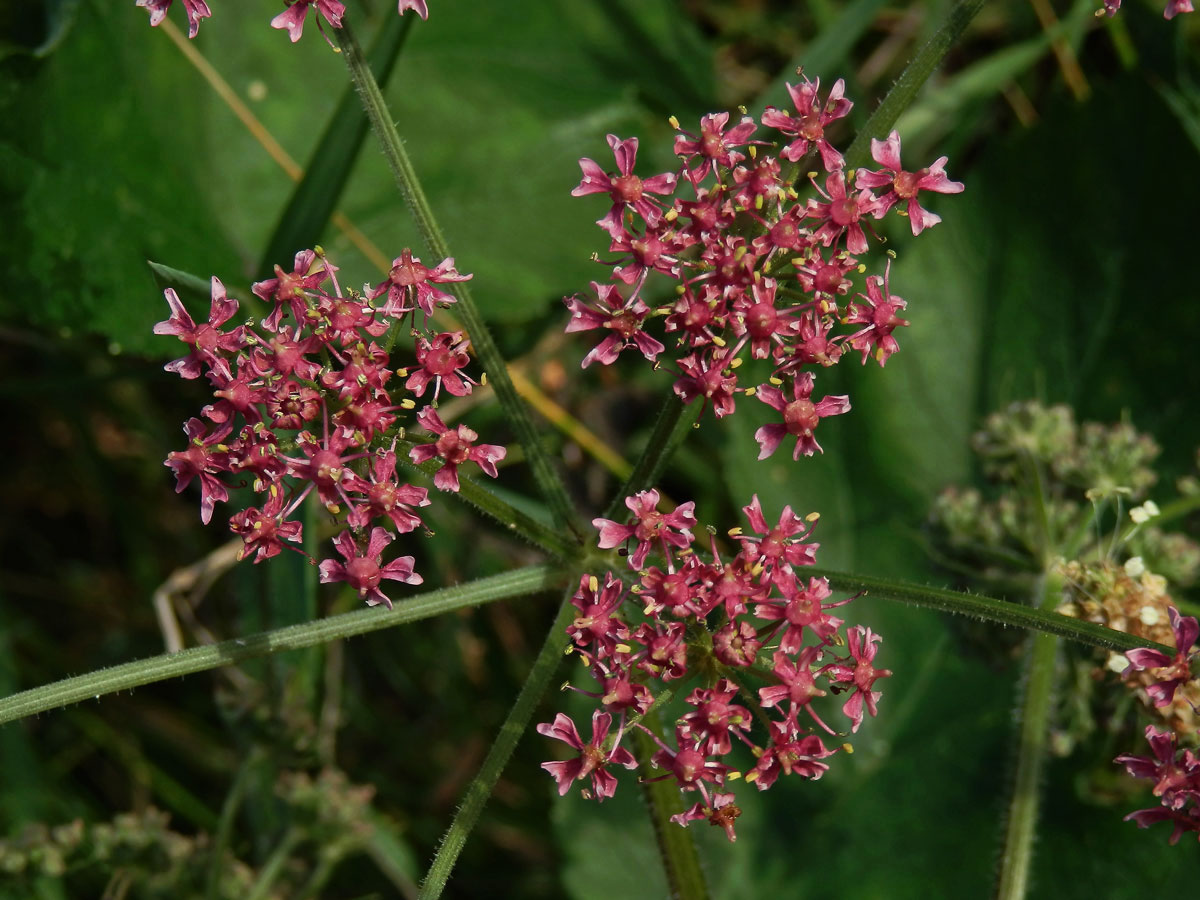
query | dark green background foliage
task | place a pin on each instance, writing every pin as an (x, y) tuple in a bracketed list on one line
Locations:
[(1065, 272)]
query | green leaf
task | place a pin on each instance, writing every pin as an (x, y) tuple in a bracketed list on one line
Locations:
[(100, 185)]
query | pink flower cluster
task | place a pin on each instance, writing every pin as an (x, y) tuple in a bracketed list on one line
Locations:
[(302, 402), (1175, 772), (759, 273), (1176, 777), (762, 638), (291, 19)]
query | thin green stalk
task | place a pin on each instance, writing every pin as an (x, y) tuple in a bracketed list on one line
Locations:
[(988, 609), (675, 421), (553, 542), (911, 80), (516, 583), (1012, 879), (549, 482), (515, 725), (676, 846), (223, 839), (273, 867)]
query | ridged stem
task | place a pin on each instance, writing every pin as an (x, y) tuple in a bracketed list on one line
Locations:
[(1012, 878), (516, 583)]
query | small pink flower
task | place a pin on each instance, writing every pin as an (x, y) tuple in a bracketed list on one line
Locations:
[(292, 18), (903, 186), (593, 758), (789, 754), (263, 530), (722, 812), (689, 765), (650, 527), (1174, 670), (809, 124), (624, 320), (1176, 777), (289, 290), (385, 496), (204, 459), (714, 145), (454, 446), (326, 464), (801, 608), (736, 644), (860, 670), (363, 571), (597, 623), (800, 416), (781, 544), (842, 213), (439, 362), (878, 316), (195, 9), (760, 186), (210, 346), (627, 190), (412, 285), (715, 719), (417, 6), (708, 375)]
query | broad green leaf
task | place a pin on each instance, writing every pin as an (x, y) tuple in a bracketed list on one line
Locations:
[(101, 184)]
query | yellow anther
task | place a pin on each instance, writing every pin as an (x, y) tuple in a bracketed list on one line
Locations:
[(849, 748), (775, 380), (593, 583), (674, 122)]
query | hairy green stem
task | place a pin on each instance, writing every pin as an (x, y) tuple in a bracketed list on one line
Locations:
[(911, 80), (516, 583), (515, 725), (1012, 879), (549, 482), (676, 846), (988, 609)]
